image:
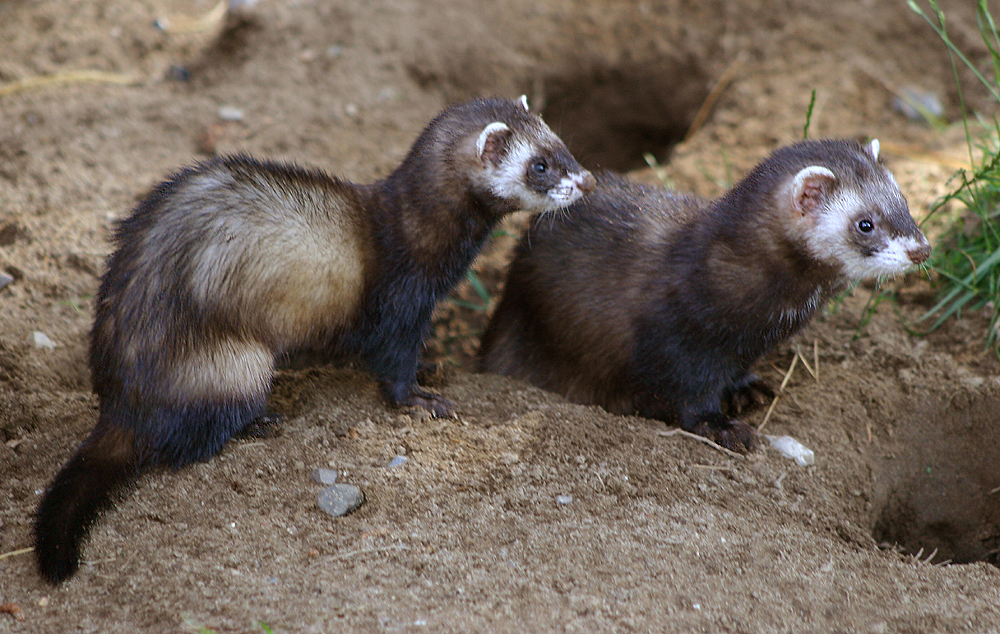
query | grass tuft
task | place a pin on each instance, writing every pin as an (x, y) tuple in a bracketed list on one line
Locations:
[(966, 266)]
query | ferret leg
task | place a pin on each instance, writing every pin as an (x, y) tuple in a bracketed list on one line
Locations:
[(731, 433), (747, 394), (404, 393), (396, 372)]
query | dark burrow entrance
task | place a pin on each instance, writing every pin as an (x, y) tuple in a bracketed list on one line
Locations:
[(611, 115), (938, 488)]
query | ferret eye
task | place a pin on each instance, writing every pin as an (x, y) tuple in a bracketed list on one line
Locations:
[(540, 167), (865, 226)]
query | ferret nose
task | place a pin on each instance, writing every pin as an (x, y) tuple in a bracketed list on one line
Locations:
[(920, 254), (587, 183)]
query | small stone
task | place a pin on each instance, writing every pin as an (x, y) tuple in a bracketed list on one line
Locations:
[(398, 461), (230, 113), (340, 499), (792, 449), (564, 499), (42, 341), (5, 279), (324, 476), (176, 72)]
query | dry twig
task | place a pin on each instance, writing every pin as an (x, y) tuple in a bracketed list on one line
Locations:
[(69, 77), (15, 553), (702, 439), (713, 95)]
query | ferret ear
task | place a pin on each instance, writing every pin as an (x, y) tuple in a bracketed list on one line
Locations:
[(812, 186), (524, 102), (491, 142), (873, 149)]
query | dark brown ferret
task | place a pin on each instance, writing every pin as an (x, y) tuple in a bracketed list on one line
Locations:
[(234, 262), (650, 302)]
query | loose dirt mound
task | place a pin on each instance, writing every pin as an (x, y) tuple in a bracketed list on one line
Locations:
[(663, 533)]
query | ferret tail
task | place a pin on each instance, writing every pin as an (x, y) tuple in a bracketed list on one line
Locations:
[(106, 463)]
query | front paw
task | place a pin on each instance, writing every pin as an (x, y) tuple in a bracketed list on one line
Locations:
[(746, 395), (731, 433), (437, 405)]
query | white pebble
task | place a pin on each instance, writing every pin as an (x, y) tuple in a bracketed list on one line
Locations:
[(41, 341), (793, 449), (230, 113), (564, 499), (398, 461)]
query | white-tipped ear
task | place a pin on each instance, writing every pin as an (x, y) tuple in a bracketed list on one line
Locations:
[(490, 139), (810, 188), (873, 148), (524, 102)]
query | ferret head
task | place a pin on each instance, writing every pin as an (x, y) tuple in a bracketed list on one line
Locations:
[(848, 209), (516, 158)]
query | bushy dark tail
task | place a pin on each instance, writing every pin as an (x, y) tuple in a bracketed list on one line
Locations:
[(106, 463)]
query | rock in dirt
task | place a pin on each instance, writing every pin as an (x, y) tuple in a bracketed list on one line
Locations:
[(792, 449), (42, 341), (340, 499), (398, 461), (324, 476)]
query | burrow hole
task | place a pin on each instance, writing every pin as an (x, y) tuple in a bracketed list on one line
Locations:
[(610, 116), (938, 487)]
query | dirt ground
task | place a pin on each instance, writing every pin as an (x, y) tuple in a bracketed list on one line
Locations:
[(663, 533)]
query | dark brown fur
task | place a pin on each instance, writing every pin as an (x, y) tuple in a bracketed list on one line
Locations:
[(647, 301)]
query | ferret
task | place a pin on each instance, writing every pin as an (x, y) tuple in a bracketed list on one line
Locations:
[(650, 302), (232, 263)]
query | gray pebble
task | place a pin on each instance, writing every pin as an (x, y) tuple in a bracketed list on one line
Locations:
[(398, 461), (564, 499), (340, 499), (5, 279), (324, 476)]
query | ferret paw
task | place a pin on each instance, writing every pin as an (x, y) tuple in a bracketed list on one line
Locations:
[(749, 394), (731, 433), (438, 406), (267, 426)]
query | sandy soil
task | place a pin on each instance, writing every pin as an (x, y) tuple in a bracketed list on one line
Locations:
[(663, 533)]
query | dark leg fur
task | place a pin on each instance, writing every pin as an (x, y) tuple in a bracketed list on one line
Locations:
[(731, 433), (746, 395), (105, 465), (392, 357)]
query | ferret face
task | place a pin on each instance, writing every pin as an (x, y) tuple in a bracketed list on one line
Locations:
[(862, 224), (531, 168)]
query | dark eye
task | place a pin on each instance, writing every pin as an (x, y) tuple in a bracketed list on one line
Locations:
[(540, 167), (865, 226)]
